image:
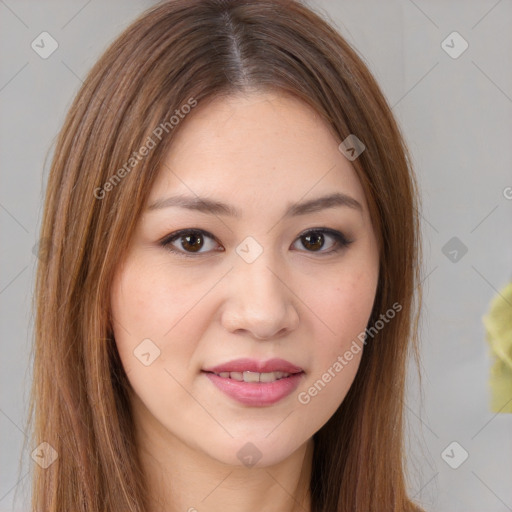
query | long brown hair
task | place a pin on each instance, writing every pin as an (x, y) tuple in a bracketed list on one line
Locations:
[(177, 53)]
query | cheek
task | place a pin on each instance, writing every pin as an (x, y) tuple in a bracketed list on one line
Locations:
[(146, 306), (344, 303), (344, 294), (150, 298), (341, 314)]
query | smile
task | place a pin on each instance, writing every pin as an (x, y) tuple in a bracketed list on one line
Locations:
[(248, 376)]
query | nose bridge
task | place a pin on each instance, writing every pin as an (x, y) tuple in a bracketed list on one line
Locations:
[(257, 283), (259, 280), (259, 300)]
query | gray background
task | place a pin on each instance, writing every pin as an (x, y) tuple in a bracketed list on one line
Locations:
[(456, 116)]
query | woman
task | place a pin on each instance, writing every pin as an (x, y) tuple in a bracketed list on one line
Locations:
[(226, 308)]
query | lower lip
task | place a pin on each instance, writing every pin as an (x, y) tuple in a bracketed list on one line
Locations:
[(256, 393)]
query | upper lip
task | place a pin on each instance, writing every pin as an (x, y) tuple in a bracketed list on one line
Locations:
[(253, 365)]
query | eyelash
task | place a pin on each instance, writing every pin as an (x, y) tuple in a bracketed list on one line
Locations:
[(341, 241)]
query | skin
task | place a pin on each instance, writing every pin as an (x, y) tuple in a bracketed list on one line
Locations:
[(257, 152)]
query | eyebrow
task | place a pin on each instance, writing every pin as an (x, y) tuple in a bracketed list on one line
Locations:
[(218, 208)]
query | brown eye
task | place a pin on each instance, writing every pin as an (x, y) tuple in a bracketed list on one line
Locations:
[(191, 242), (314, 240), (188, 242)]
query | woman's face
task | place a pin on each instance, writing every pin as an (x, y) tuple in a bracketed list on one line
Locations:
[(273, 281)]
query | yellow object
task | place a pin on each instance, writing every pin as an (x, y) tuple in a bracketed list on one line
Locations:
[(498, 324)]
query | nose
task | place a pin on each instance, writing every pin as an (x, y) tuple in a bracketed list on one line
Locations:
[(261, 300)]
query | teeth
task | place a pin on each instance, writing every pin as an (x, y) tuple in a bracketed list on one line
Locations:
[(254, 376), (272, 376)]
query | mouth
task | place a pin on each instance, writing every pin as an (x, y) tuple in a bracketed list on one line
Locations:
[(255, 382)]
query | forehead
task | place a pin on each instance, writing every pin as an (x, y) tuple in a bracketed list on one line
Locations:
[(257, 147)]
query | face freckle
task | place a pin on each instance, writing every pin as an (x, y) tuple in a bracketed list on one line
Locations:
[(259, 154)]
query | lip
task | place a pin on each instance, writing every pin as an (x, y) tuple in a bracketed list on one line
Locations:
[(256, 394), (253, 365)]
